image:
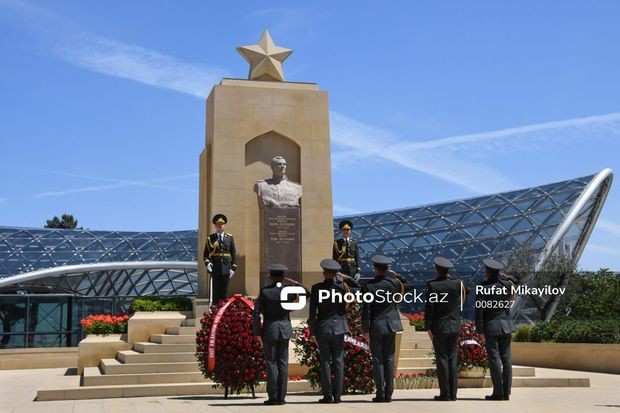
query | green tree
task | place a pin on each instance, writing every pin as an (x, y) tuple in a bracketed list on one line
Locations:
[(592, 296), (65, 222), (556, 271)]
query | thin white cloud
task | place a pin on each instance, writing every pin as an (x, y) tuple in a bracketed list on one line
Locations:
[(374, 142), (343, 210), (151, 183), (432, 158), (608, 227), (603, 249), (609, 121), (136, 63)]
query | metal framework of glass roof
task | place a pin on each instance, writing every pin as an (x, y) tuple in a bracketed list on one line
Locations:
[(99, 263)]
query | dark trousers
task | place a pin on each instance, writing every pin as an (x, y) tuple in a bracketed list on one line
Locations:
[(382, 348), (446, 360), (276, 356), (220, 286), (331, 359), (500, 363)]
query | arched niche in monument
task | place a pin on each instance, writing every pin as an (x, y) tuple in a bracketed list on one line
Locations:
[(272, 233)]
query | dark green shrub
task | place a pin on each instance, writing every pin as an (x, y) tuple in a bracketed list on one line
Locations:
[(581, 331), (544, 331), (161, 304), (523, 333)]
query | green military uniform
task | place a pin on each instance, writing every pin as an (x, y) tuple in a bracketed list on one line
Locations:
[(346, 251), (495, 322), (443, 319), (328, 323), (381, 320), (221, 253)]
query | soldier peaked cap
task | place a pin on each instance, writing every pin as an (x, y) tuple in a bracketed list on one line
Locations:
[(277, 269), (345, 224), (493, 264), (330, 265), (220, 219), (381, 261), (442, 262)]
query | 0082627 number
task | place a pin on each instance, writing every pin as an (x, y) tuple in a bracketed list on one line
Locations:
[(494, 303)]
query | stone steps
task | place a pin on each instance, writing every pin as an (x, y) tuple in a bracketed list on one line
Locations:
[(173, 339), (71, 389), (413, 353), (131, 356), (415, 362), (113, 366), (191, 330), (415, 344), (93, 377), (148, 347)]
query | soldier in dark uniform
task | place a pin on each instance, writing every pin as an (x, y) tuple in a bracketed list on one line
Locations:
[(442, 320), (346, 251), (275, 333), (380, 322), (494, 321), (328, 323), (220, 256)]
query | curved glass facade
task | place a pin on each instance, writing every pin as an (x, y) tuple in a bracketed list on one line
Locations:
[(164, 263)]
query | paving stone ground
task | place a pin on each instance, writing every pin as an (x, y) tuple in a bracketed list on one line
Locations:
[(18, 390)]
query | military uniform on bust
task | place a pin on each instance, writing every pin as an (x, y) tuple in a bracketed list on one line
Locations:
[(275, 333), (328, 323), (380, 322), (220, 258), (442, 319), (346, 251), (494, 321)]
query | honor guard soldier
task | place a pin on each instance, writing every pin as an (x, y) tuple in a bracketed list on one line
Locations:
[(346, 251), (220, 258), (494, 321), (328, 323), (275, 332), (442, 320), (380, 322)]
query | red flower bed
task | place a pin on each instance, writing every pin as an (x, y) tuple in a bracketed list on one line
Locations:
[(239, 362), (104, 324), (416, 320), (357, 361)]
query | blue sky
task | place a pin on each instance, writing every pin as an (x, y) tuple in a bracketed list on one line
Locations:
[(102, 104)]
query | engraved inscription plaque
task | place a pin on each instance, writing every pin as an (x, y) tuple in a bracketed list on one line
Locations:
[(281, 235)]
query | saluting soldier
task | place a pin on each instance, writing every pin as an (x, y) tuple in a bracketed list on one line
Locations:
[(442, 320), (380, 322), (275, 332), (494, 321), (346, 251), (220, 258), (328, 324)]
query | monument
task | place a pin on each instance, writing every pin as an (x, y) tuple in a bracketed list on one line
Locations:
[(280, 222), (266, 138)]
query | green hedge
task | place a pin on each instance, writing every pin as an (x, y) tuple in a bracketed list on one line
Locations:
[(161, 304), (577, 331), (523, 333), (544, 331), (600, 331)]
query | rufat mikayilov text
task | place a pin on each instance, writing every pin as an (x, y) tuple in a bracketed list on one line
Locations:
[(381, 296), (519, 290)]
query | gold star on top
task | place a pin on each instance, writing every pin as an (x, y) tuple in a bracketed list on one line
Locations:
[(265, 59)]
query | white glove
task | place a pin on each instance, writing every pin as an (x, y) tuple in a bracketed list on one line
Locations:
[(357, 276), (210, 267), (232, 272)]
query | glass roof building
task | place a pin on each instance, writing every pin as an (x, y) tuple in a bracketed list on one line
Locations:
[(119, 265)]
